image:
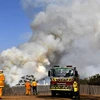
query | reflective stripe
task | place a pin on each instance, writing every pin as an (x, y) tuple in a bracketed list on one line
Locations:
[(62, 89), (62, 79), (75, 89)]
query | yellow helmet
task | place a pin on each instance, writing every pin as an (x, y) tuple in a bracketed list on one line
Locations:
[(75, 82)]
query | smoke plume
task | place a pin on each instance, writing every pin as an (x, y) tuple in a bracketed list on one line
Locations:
[(64, 32)]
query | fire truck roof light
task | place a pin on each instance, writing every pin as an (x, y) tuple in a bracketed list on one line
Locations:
[(56, 66), (69, 66)]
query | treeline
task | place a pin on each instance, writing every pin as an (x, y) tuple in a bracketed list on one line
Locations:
[(93, 80), (22, 81), (24, 78)]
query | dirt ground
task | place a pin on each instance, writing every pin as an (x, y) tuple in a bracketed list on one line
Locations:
[(47, 97)]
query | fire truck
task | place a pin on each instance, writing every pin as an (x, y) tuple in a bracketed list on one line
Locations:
[(64, 81)]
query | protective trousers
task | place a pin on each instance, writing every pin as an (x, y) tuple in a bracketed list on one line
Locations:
[(28, 91), (1, 92), (34, 89)]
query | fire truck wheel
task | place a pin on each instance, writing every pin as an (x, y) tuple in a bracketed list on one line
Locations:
[(53, 93), (76, 96)]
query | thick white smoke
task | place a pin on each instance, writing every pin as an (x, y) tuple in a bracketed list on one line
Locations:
[(64, 32)]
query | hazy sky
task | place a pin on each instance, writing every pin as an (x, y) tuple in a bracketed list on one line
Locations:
[(14, 24)]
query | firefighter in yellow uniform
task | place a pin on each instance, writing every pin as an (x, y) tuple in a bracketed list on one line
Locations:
[(2, 79), (28, 87), (34, 86), (76, 89)]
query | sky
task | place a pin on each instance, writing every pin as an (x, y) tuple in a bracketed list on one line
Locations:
[(69, 37), (14, 24)]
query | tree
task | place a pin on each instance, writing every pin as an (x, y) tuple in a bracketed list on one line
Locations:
[(93, 80)]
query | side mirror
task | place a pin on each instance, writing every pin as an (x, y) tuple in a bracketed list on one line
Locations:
[(49, 73), (76, 73)]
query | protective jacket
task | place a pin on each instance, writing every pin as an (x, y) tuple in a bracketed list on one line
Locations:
[(34, 83), (2, 78), (28, 85), (75, 85)]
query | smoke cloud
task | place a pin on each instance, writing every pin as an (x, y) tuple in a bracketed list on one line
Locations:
[(64, 32)]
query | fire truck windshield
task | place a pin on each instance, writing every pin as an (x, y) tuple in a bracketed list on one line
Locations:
[(63, 72)]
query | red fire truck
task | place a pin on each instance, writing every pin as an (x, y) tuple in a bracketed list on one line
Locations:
[(64, 80)]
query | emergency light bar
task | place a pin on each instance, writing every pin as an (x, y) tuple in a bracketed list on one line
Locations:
[(55, 66), (69, 66)]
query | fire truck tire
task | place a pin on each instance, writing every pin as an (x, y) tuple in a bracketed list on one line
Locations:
[(53, 93), (76, 96)]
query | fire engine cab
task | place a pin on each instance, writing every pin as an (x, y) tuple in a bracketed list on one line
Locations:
[(64, 80)]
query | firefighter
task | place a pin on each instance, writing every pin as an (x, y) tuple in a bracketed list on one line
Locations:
[(76, 89), (28, 87), (2, 79), (34, 86)]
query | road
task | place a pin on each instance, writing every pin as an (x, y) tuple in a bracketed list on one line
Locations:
[(47, 97)]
